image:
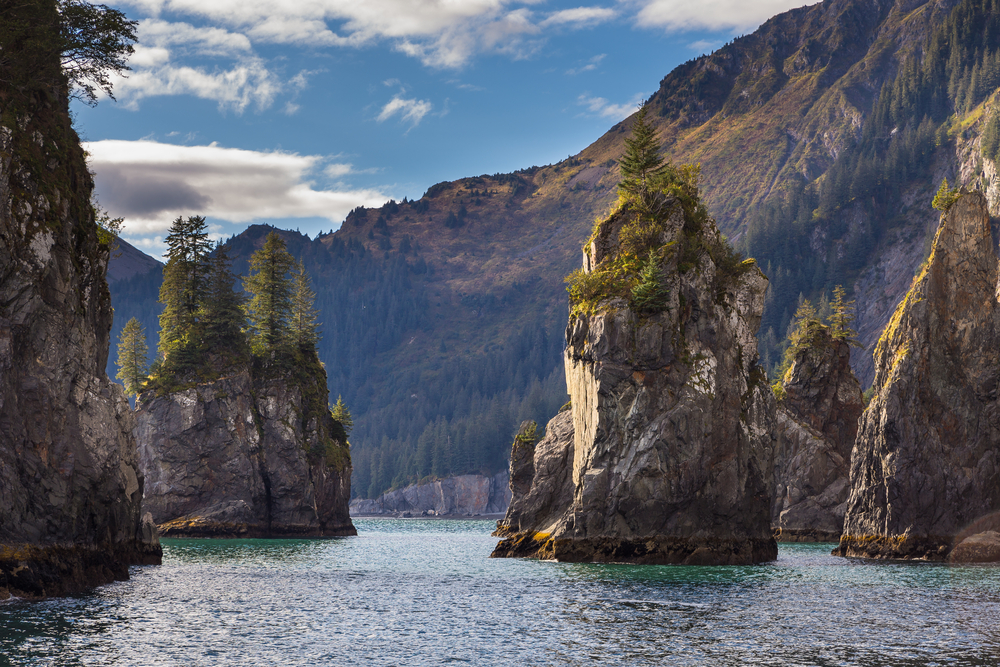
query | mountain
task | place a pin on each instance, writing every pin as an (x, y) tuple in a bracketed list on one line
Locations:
[(822, 138)]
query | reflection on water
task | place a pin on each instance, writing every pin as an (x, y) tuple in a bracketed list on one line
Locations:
[(411, 592)]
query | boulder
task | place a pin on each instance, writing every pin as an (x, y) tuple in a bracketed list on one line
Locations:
[(926, 464), (243, 457), (672, 419), (70, 483), (817, 425)]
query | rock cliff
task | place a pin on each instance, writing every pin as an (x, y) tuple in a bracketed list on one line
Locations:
[(244, 456), (925, 471), (70, 484), (817, 426), (460, 495), (672, 422)]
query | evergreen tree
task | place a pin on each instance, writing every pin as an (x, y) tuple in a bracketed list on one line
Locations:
[(304, 325), (132, 353), (182, 291), (271, 290), (841, 317), (342, 415), (649, 294), (641, 164), (221, 316)]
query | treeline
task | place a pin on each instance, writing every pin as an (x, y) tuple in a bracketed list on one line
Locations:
[(914, 116)]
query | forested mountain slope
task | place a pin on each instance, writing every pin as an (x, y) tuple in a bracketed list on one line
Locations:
[(822, 138)]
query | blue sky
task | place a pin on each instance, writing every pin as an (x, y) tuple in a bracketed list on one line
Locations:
[(293, 112)]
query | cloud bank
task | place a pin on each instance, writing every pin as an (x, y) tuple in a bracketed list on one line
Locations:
[(678, 15), (150, 183)]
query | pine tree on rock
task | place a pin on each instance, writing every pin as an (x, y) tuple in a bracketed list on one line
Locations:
[(181, 293), (132, 357), (221, 316), (841, 317), (304, 324), (269, 309), (641, 165)]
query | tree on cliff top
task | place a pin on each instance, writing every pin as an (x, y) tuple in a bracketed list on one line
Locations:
[(221, 315), (641, 164), (304, 325), (132, 357), (182, 290), (270, 307), (93, 43)]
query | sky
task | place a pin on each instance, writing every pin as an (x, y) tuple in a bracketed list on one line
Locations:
[(294, 112)]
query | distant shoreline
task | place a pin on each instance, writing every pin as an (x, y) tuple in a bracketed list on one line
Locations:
[(450, 517)]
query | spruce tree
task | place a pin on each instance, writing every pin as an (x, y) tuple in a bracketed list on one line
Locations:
[(342, 415), (132, 353), (649, 294), (641, 165), (182, 291), (221, 317), (304, 325), (841, 317), (269, 309)]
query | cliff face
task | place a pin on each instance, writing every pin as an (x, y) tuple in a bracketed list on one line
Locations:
[(459, 495), (925, 471), (243, 457), (817, 426), (672, 422), (70, 484)]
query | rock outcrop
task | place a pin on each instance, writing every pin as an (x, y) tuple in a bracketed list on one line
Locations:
[(817, 426), (926, 464), (244, 457), (70, 484), (672, 421), (461, 495)]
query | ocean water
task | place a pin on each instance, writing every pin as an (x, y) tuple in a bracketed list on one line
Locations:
[(417, 592)]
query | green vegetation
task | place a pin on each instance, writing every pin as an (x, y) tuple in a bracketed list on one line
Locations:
[(96, 44), (945, 197), (342, 415), (650, 191), (269, 309), (132, 354), (527, 435), (808, 332), (913, 121)]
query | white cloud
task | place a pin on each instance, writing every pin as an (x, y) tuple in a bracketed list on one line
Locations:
[(708, 14), (602, 107), (150, 183), (590, 66), (441, 33), (580, 16), (190, 39), (249, 82), (412, 111)]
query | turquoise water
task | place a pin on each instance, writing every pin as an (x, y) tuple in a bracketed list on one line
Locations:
[(413, 592)]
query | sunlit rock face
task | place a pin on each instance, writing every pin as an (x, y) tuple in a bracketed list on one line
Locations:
[(461, 495), (243, 457), (925, 472), (70, 484), (666, 455), (817, 426)]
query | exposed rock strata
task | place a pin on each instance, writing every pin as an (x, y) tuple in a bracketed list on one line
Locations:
[(927, 460), (672, 423), (70, 484), (459, 495), (239, 457), (817, 426)]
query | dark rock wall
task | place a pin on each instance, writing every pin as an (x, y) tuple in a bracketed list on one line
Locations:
[(817, 426), (926, 467), (236, 457), (672, 421), (70, 484)]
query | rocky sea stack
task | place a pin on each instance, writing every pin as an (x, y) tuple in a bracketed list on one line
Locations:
[(70, 484), (925, 472), (665, 455), (254, 454), (817, 424)]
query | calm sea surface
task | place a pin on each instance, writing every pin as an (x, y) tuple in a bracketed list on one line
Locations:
[(413, 592)]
